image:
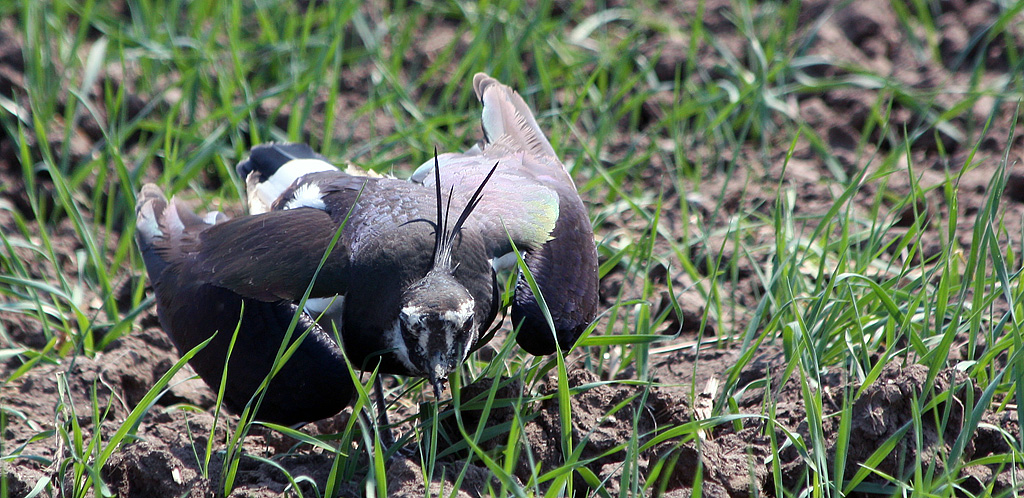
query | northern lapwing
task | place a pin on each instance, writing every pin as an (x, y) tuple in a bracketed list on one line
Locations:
[(410, 284)]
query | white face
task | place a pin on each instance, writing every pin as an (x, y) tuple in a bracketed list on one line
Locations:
[(436, 342)]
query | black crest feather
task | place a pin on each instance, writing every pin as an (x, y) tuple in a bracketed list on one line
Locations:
[(443, 237)]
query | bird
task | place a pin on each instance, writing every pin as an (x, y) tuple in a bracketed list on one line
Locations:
[(401, 274)]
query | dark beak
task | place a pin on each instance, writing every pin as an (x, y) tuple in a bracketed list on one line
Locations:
[(438, 387), (438, 374)]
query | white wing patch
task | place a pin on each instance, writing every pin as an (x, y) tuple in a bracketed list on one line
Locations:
[(307, 195), (262, 195)]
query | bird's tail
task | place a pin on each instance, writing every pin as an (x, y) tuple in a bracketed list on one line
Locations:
[(507, 117), (272, 168)]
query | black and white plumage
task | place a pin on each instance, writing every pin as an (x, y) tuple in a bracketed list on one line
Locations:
[(411, 283)]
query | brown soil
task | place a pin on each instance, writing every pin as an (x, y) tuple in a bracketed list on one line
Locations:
[(165, 457)]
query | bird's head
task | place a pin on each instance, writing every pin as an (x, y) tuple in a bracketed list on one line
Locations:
[(437, 315), (438, 326)]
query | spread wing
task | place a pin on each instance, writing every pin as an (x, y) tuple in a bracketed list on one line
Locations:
[(201, 298), (535, 199)]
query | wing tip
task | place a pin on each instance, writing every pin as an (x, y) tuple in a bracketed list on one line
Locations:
[(156, 216), (505, 113), (481, 82), (149, 209)]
